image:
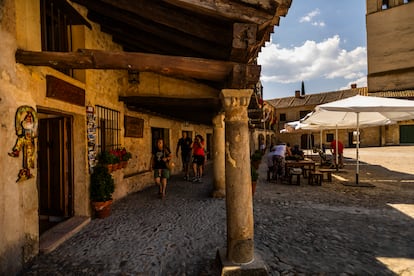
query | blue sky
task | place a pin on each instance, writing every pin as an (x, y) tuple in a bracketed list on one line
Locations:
[(322, 42)]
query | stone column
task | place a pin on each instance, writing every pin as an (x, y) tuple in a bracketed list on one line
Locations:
[(218, 156), (239, 205)]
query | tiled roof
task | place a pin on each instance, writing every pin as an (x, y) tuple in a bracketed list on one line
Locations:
[(394, 94), (316, 99)]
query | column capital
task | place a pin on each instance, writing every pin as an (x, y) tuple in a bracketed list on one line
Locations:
[(218, 120), (235, 103), (235, 97)]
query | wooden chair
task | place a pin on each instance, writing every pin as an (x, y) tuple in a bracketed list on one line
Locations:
[(315, 178), (328, 173)]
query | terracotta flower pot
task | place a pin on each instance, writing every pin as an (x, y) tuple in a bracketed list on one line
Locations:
[(253, 187), (102, 209)]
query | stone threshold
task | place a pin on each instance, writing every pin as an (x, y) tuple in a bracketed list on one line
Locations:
[(55, 236)]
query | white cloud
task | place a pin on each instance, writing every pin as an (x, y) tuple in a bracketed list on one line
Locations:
[(318, 23), (313, 60), (309, 16)]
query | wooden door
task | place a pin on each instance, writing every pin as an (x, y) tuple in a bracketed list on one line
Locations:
[(55, 167)]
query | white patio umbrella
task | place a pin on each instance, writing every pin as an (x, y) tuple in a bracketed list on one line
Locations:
[(360, 111)]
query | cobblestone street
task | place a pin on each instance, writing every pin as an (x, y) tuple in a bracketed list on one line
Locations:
[(331, 229)]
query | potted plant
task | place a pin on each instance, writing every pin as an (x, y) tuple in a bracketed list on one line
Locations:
[(124, 156), (108, 159), (115, 159), (101, 188), (255, 177)]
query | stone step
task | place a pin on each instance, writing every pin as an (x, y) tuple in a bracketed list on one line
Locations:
[(55, 236)]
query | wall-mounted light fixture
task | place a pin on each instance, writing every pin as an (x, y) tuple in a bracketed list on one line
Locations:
[(133, 76)]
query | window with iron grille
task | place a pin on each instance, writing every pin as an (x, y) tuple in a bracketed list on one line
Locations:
[(108, 128)]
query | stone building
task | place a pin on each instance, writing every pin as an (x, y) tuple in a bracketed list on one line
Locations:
[(80, 77), (390, 40), (389, 47), (294, 108), (291, 109)]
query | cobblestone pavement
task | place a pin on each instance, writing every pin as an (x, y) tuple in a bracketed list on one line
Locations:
[(331, 229)]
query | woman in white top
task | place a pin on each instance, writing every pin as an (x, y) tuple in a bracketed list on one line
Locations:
[(280, 153)]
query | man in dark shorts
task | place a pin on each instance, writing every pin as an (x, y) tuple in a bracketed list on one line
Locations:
[(185, 144)]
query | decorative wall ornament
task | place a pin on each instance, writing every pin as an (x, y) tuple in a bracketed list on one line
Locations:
[(91, 128), (26, 124)]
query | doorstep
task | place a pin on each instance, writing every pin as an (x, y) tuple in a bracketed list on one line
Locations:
[(55, 236)]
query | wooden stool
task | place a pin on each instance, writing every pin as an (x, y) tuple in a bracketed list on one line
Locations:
[(328, 173), (297, 178), (297, 173), (306, 172), (315, 178)]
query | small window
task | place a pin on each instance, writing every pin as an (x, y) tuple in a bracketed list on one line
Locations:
[(329, 137), (108, 129), (282, 117), (57, 19), (385, 4)]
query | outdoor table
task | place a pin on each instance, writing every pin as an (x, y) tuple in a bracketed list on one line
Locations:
[(305, 165)]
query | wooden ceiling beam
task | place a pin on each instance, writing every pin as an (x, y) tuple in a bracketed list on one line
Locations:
[(244, 38), (283, 7), (101, 12), (188, 67), (166, 15), (244, 76), (239, 11), (155, 40)]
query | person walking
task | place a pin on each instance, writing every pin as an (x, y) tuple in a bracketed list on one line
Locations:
[(271, 169), (161, 155), (184, 143), (198, 158)]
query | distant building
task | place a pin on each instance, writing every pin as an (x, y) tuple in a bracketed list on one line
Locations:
[(294, 108), (390, 40)]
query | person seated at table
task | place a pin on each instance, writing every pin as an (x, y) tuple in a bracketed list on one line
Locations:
[(280, 161), (297, 153)]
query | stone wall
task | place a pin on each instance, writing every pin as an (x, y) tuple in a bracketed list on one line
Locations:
[(26, 85), (390, 64)]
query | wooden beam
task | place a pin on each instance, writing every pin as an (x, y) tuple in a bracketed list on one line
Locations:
[(159, 41), (188, 67), (102, 13), (283, 7), (163, 14), (239, 11), (244, 76), (244, 38)]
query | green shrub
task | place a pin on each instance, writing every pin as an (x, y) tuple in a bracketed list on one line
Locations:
[(256, 156), (102, 184)]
